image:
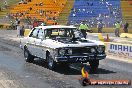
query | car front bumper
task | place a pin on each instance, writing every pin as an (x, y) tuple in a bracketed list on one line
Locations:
[(84, 58)]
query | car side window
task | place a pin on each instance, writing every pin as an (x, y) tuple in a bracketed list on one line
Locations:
[(48, 33), (41, 34), (34, 33)]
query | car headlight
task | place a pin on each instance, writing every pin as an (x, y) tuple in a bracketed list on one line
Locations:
[(93, 50), (62, 51), (101, 49), (69, 51)]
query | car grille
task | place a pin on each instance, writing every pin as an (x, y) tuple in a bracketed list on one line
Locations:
[(82, 50)]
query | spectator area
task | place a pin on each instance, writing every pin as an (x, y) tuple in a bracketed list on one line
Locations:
[(44, 10), (126, 7), (74, 11), (4, 10), (94, 10)]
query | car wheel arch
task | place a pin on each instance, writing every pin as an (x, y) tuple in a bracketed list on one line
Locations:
[(26, 48)]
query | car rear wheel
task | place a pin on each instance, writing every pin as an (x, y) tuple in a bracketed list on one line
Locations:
[(28, 56), (51, 63), (94, 66)]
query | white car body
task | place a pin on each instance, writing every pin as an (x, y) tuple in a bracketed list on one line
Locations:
[(38, 47)]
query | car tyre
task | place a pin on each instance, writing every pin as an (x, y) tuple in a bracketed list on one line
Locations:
[(28, 56), (51, 63), (94, 66)]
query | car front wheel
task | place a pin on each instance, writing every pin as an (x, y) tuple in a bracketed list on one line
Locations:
[(51, 63), (28, 56)]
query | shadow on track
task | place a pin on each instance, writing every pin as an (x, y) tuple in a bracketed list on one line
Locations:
[(104, 71), (73, 69)]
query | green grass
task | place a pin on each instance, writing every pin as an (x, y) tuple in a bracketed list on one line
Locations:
[(10, 3)]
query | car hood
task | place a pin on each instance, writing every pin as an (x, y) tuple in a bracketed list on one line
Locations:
[(76, 43)]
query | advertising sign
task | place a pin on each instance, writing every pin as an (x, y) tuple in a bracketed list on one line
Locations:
[(120, 50)]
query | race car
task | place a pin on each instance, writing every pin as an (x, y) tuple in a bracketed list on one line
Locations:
[(62, 45)]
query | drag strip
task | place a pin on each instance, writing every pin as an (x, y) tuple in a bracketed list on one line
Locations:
[(36, 74)]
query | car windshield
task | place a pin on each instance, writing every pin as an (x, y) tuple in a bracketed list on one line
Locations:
[(63, 33)]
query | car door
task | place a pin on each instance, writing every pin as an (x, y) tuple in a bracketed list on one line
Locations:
[(39, 44), (31, 43)]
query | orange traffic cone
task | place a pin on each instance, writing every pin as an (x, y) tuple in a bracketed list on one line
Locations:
[(107, 38)]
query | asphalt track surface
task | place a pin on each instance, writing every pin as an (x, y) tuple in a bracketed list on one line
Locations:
[(16, 73)]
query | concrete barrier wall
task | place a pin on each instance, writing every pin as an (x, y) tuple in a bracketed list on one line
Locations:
[(5, 26), (124, 35), (110, 30), (118, 49), (26, 32)]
